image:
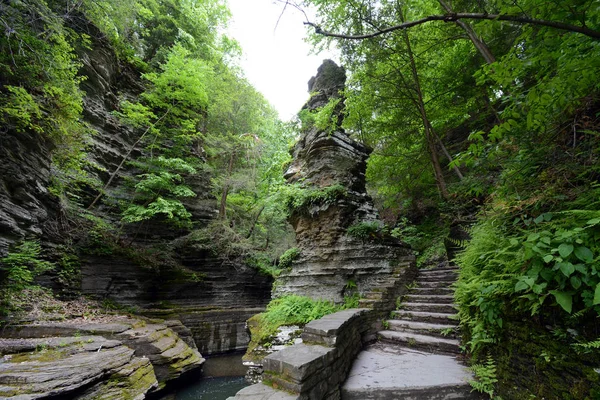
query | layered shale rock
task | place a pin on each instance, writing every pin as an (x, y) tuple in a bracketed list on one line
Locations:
[(126, 339), (337, 228), (82, 367)]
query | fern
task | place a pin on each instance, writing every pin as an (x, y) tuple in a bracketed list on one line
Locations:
[(485, 375)]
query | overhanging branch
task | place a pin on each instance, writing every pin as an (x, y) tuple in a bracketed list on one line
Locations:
[(458, 16)]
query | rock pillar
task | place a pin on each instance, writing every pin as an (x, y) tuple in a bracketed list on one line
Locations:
[(343, 248)]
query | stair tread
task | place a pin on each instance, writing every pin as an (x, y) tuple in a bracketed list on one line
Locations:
[(419, 325), (439, 298), (426, 314), (416, 304)]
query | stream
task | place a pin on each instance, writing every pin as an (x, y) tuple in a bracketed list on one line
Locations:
[(221, 377)]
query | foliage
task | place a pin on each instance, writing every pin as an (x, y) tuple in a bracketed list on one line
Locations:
[(365, 230), (18, 269), (529, 263), (323, 119), (289, 310), (159, 190), (485, 375), (286, 259), (298, 199)]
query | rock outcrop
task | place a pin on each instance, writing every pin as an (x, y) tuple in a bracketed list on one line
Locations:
[(120, 357), (25, 202), (333, 262), (83, 367)]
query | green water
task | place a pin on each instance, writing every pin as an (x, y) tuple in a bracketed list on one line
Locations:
[(221, 377), (219, 388)]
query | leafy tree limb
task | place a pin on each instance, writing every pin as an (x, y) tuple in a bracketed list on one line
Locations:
[(453, 17)]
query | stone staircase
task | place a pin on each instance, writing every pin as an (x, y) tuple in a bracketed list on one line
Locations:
[(427, 318), (415, 356)]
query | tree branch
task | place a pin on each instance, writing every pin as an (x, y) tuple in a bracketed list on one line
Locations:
[(457, 16)]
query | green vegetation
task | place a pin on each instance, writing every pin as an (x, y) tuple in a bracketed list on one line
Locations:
[(289, 310), (493, 127), (286, 259), (299, 199), (365, 230), (17, 273), (476, 122), (485, 375)]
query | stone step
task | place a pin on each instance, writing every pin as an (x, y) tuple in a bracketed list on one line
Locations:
[(431, 298), (418, 341), (436, 278), (436, 284), (423, 328), (429, 307), (381, 372), (432, 290), (453, 271), (373, 295), (421, 316), (452, 268)]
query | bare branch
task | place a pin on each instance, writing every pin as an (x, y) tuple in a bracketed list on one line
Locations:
[(457, 16)]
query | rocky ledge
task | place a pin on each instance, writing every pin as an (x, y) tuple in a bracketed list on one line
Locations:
[(118, 357)]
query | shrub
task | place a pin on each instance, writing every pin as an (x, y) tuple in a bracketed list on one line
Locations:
[(364, 230), (286, 259)]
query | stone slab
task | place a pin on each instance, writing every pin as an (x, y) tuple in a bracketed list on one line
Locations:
[(382, 371), (298, 361), (262, 392)]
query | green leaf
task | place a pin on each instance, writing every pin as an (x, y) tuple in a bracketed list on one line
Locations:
[(539, 219), (533, 237), (565, 249), (597, 295), (575, 282), (520, 286), (593, 221), (566, 268), (548, 258), (584, 254), (565, 300)]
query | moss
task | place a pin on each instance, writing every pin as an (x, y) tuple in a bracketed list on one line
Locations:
[(532, 362), (43, 355)]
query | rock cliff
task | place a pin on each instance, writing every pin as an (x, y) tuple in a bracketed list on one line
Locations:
[(343, 248), (214, 308)]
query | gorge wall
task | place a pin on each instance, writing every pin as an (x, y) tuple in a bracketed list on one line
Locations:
[(212, 296), (333, 262)]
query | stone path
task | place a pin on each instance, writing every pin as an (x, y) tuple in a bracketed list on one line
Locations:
[(416, 355)]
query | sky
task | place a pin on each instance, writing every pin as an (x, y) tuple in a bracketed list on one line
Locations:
[(276, 58)]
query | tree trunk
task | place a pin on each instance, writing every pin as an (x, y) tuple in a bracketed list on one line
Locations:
[(478, 43), (429, 134), (223, 203)]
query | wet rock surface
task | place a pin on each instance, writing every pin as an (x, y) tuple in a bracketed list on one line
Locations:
[(330, 258), (124, 353), (83, 367)]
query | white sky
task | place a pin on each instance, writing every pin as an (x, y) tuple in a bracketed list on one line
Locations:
[(276, 58)]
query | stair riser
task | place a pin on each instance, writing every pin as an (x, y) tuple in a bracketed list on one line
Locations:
[(426, 307), (464, 392), (434, 278), (427, 291), (444, 348), (424, 318), (430, 332), (428, 299), (442, 284)]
